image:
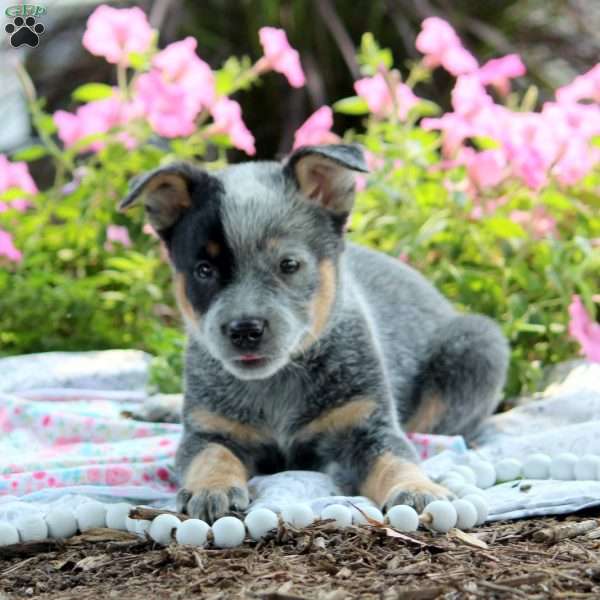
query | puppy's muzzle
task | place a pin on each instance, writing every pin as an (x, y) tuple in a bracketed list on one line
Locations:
[(245, 334)]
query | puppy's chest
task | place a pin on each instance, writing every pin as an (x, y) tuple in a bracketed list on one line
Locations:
[(279, 418)]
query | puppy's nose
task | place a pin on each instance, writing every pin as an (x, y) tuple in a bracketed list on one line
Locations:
[(246, 333)]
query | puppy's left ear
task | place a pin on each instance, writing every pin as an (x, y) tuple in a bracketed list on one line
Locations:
[(165, 192), (325, 174)]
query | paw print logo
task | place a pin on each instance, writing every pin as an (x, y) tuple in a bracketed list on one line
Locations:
[(24, 32)]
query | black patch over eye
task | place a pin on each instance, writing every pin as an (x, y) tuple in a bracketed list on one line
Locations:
[(204, 270), (289, 265)]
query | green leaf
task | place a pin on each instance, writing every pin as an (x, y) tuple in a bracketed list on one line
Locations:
[(138, 61), (31, 153), (355, 105), (45, 123), (485, 143), (89, 92)]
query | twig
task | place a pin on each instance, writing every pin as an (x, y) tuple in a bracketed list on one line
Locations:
[(29, 548), (502, 588), (563, 532), (148, 514)]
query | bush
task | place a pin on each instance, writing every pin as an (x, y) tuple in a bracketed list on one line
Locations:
[(496, 203)]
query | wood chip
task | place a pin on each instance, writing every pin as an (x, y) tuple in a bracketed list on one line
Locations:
[(567, 530), (468, 538)]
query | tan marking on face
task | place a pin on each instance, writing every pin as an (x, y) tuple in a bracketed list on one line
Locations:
[(273, 244), (215, 467), (429, 414), (321, 304), (182, 300), (323, 300), (213, 249), (213, 423), (342, 417), (391, 474)]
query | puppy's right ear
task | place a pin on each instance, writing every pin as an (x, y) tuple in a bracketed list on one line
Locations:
[(165, 192)]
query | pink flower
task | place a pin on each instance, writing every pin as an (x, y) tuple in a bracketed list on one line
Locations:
[(7, 247), (15, 175), (116, 32), (454, 127), (280, 56), (116, 233), (584, 330), (537, 221), (469, 96), (179, 65), (316, 129), (583, 87), (576, 161), (441, 46), (227, 115), (378, 96), (167, 107), (499, 71), (95, 118), (486, 169)]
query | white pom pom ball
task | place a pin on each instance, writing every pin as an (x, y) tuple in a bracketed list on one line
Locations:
[(161, 530), (61, 523), (90, 515), (138, 526), (192, 532), (403, 518), (228, 532), (453, 483), (298, 515), (537, 466), (117, 514), (563, 466), (466, 514), (368, 511), (508, 469), (260, 521), (468, 489), (443, 515), (481, 506), (32, 528), (485, 473), (587, 468), (466, 472), (8, 534), (341, 514)]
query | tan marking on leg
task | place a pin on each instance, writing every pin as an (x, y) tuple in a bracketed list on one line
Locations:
[(429, 413), (215, 467), (391, 474), (342, 417), (182, 301), (210, 422), (213, 249)]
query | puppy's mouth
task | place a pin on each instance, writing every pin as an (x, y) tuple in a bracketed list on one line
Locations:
[(252, 360)]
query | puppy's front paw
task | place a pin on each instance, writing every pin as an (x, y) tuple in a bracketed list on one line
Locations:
[(212, 503), (417, 493)]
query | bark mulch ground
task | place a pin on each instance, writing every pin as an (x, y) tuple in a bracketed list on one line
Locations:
[(502, 560)]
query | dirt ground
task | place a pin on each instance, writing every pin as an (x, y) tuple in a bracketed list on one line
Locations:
[(504, 560)]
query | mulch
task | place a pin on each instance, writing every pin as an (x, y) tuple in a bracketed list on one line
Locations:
[(518, 559)]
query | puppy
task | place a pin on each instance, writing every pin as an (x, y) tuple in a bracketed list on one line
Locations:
[(305, 351)]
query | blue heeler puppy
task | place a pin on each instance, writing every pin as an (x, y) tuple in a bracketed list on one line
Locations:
[(305, 351)]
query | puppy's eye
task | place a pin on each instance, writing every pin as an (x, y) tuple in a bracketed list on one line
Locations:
[(289, 265), (204, 270)]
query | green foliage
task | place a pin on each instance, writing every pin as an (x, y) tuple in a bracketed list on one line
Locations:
[(412, 210)]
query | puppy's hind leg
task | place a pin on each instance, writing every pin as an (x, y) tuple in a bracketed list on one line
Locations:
[(462, 377)]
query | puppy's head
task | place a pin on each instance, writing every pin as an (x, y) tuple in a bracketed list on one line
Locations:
[(254, 249)]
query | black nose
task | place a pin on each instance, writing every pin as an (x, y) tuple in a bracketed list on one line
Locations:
[(246, 333)]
